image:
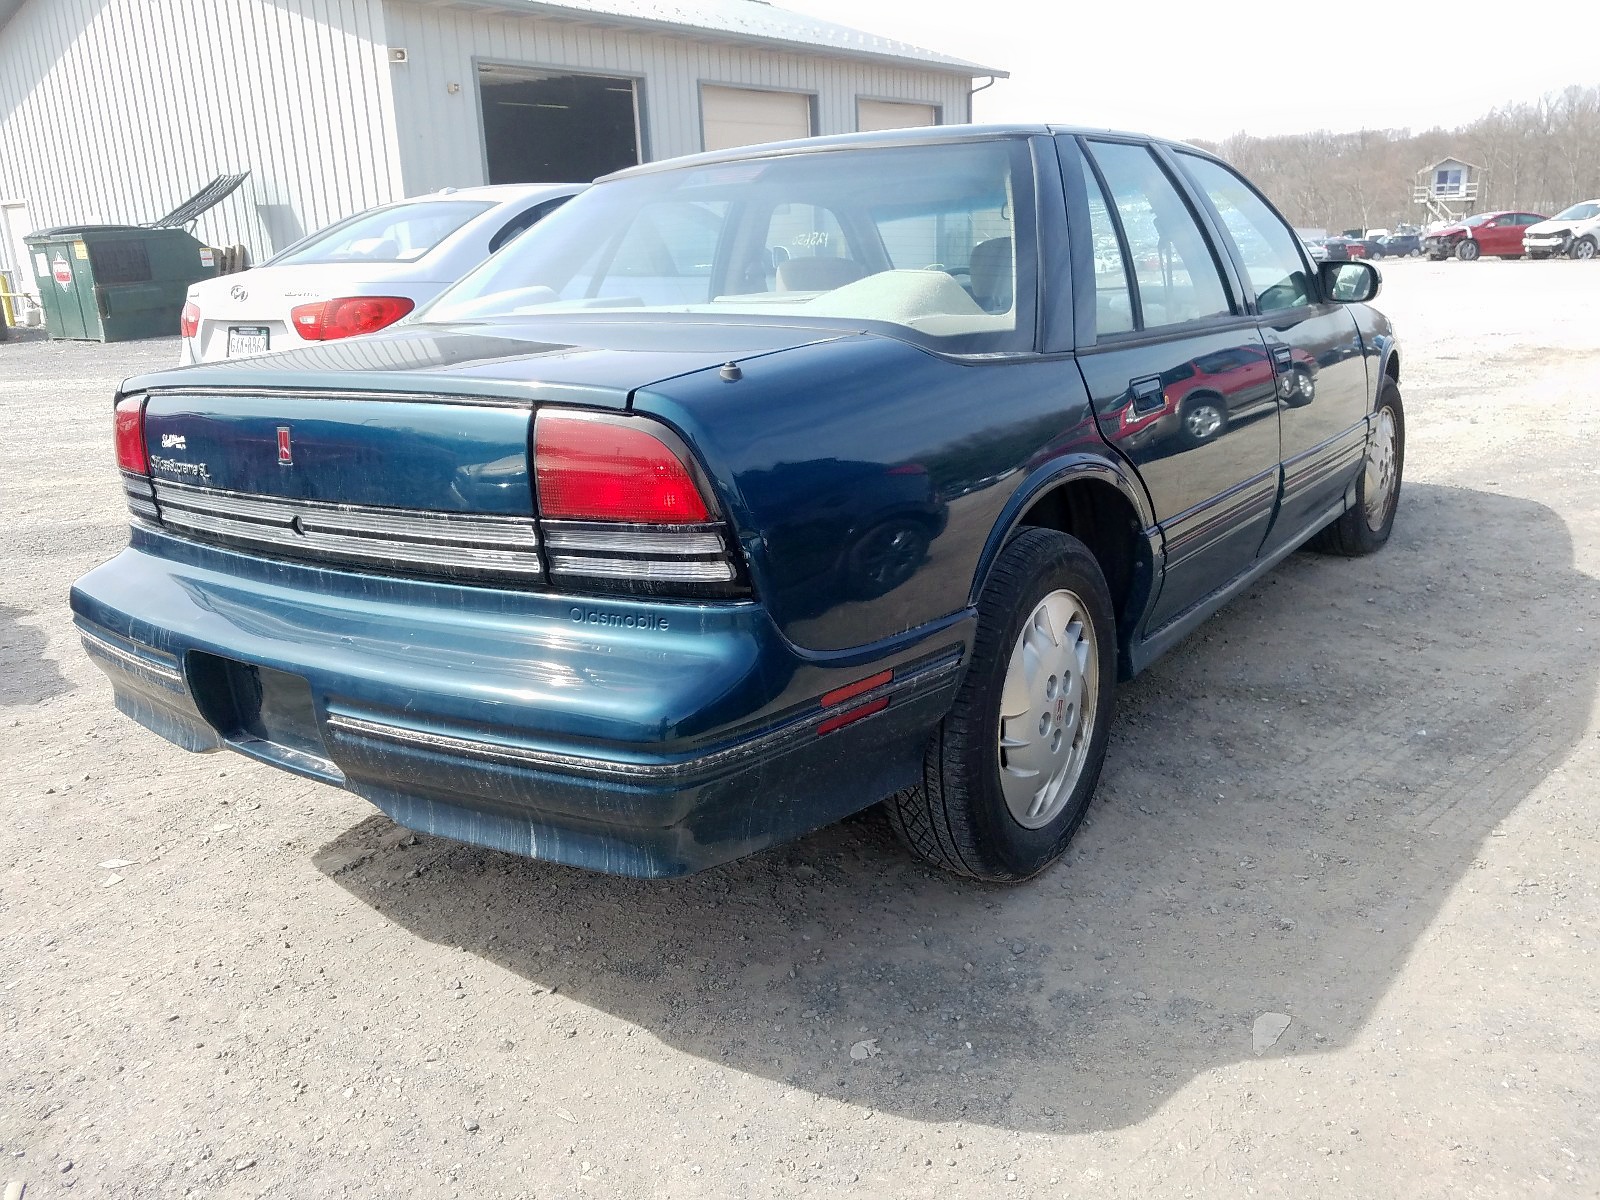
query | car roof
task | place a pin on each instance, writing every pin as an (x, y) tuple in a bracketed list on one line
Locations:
[(498, 193), (928, 135)]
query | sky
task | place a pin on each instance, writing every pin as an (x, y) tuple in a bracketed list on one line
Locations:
[(1208, 70)]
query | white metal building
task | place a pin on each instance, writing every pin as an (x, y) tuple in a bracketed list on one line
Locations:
[(117, 110)]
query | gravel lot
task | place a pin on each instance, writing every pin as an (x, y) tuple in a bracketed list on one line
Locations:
[(1362, 798)]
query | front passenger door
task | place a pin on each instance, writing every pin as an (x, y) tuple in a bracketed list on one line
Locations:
[(1322, 390)]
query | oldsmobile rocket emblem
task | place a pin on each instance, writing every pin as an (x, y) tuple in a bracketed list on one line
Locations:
[(285, 453)]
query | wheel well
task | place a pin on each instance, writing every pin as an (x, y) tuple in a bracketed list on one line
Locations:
[(1105, 521), (1392, 367)]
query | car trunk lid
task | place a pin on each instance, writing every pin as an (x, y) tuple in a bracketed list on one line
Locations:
[(359, 452)]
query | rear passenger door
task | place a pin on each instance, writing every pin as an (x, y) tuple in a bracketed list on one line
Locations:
[(1322, 390), (1178, 371)]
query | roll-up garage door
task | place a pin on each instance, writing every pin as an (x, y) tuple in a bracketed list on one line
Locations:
[(745, 116), (893, 114)]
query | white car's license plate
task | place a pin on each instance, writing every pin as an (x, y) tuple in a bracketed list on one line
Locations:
[(244, 340)]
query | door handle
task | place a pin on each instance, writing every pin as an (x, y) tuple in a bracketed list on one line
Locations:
[(1283, 356), (1146, 393)]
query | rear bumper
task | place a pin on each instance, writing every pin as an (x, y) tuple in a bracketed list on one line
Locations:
[(638, 738)]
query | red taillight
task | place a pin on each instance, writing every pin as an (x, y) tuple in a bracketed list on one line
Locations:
[(129, 425), (189, 322), (610, 471), (346, 317)]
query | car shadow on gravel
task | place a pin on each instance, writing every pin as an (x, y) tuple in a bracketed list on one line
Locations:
[(26, 676), (1288, 801)]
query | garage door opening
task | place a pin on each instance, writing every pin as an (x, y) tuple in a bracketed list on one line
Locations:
[(745, 116), (894, 114), (556, 127)]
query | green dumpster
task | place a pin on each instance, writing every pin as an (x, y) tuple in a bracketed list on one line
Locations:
[(114, 283)]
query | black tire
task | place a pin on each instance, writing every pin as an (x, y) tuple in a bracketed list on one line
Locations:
[(1584, 249), (1467, 250), (1190, 412), (1437, 257), (1352, 534), (959, 819), (1416, 253), (1538, 255)]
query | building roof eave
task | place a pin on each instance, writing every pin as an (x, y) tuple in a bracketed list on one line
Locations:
[(729, 21)]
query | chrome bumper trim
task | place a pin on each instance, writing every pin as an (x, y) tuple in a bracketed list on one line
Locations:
[(914, 681), (168, 676), (354, 535)]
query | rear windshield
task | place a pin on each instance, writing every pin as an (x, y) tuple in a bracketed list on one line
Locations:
[(398, 233), (921, 238), (1578, 212)]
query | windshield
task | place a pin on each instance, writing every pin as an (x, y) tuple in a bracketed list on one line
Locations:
[(1578, 212), (1480, 218), (398, 233), (923, 238)]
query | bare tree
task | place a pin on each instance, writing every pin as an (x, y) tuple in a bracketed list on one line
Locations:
[(1538, 156)]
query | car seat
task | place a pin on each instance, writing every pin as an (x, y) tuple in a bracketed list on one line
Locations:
[(992, 275), (817, 274)]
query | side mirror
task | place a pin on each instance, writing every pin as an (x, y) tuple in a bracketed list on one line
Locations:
[(1350, 282)]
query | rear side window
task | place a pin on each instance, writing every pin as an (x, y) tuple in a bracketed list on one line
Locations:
[(398, 233), (1113, 284), (1269, 249), (1176, 272)]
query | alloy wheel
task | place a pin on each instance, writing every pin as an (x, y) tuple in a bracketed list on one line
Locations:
[(1203, 421)]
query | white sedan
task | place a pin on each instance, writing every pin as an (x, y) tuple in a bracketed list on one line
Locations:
[(361, 274)]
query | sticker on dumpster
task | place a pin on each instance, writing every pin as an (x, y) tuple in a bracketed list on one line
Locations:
[(63, 270), (207, 259), (79, 250), (41, 265)]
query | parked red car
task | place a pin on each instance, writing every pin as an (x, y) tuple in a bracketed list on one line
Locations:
[(1202, 398), (1497, 233)]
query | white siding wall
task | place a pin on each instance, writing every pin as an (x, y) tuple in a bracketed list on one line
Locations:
[(118, 110), (441, 139)]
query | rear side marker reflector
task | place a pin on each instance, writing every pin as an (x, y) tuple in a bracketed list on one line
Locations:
[(851, 690), (854, 715)]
